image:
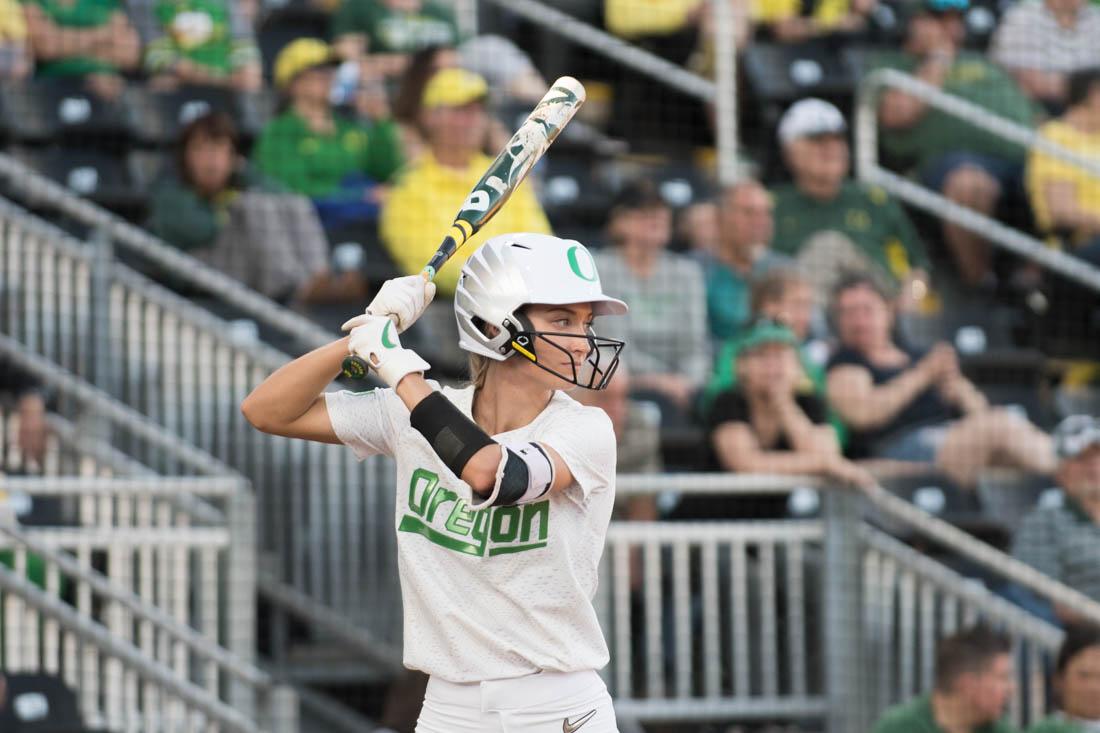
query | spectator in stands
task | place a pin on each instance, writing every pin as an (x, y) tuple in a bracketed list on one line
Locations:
[(832, 223), (215, 208), (406, 104), (745, 228), (791, 21), (22, 391), (1077, 683), (667, 324), (311, 150), (907, 405), (973, 684), (390, 31), (15, 50), (89, 38), (1042, 43), (771, 420), (1063, 540), (967, 165), (784, 295), (204, 42), (408, 109), (425, 197), (1065, 197), (697, 228)]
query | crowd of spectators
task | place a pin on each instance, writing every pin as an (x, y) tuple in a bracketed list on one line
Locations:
[(771, 316)]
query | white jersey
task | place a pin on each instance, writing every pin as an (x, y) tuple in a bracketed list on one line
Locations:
[(504, 591)]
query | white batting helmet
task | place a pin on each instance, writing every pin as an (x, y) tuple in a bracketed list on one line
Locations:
[(511, 271)]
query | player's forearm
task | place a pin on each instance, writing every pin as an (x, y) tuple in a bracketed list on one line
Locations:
[(292, 389)]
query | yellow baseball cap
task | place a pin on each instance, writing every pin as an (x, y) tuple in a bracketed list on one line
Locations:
[(453, 88), (300, 55)]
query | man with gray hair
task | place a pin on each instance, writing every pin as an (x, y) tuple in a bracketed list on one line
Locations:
[(834, 225), (1062, 539)]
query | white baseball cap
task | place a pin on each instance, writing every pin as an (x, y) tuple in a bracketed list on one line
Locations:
[(810, 117), (1075, 435)]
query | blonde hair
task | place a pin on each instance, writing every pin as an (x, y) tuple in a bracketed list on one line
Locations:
[(479, 369)]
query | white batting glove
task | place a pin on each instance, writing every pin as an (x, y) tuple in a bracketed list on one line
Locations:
[(403, 299), (375, 341)]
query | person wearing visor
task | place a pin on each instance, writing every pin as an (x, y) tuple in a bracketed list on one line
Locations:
[(770, 420), (965, 164), (454, 121), (504, 487), (1062, 539), (311, 150)]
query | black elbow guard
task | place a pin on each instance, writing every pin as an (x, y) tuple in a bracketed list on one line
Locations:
[(454, 437)]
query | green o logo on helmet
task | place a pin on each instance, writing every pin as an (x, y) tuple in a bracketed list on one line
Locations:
[(581, 263)]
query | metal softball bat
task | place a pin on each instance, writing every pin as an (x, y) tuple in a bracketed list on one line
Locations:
[(526, 146)]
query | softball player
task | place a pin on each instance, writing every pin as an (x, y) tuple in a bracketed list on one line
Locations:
[(504, 487)]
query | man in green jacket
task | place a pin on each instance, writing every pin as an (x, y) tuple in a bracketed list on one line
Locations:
[(966, 164), (974, 681), (834, 225)]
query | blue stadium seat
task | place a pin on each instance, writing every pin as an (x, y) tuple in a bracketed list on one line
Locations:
[(159, 117), (99, 175), (281, 26), (55, 109), (783, 73), (39, 703)]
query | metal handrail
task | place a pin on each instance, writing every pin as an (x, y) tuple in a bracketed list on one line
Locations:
[(72, 247), (105, 406), (44, 192), (896, 507), (165, 486), (984, 554), (713, 483), (869, 170), (1013, 616), (90, 631), (145, 611), (611, 46)]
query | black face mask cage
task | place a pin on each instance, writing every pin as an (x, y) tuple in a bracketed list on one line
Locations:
[(598, 367)]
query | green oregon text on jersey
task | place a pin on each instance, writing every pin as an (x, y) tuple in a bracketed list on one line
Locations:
[(444, 518)]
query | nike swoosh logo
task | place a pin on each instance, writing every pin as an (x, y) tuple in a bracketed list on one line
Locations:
[(386, 336), (568, 726)]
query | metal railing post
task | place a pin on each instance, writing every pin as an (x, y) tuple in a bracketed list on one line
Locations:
[(241, 593), (842, 605), (100, 329), (725, 102), (282, 709)]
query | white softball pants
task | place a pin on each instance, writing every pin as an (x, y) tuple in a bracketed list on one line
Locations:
[(547, 702)]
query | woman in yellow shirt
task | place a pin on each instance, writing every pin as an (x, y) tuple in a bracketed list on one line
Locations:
[(1066, 197)]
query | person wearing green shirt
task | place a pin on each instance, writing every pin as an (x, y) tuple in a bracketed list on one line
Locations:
[(207, 42), (392, 30), (968, 165), (743, 253), (1077, 683), (310, 150), (83, 38), (974, 681), (874, 231)]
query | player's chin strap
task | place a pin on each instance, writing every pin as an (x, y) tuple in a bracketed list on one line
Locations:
[(525, 472), (593, 373)]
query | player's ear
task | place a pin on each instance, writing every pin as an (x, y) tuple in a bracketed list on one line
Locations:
[(490, 330)]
